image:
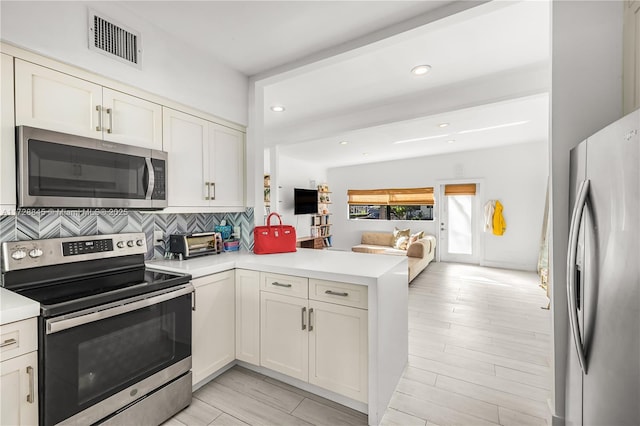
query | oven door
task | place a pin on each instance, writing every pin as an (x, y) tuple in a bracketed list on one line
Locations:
[(96, 362)]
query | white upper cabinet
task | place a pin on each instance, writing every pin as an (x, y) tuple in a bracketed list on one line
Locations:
[(226, 166), (131, 120), (53, 100), (185, 138), (206, 162), (7, 138)]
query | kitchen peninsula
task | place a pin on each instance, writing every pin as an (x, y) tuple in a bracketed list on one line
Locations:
[(346, 312)]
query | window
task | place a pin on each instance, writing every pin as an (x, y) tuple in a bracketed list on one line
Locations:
[(391, 204)]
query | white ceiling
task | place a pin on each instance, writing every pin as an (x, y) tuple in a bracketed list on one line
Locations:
[(341, 69)]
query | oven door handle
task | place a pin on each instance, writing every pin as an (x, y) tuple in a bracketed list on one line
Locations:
[(55, 325)]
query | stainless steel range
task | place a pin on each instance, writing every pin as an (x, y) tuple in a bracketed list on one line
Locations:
[(114, 338)]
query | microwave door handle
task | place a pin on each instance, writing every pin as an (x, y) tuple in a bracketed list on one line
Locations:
[(152, 178)]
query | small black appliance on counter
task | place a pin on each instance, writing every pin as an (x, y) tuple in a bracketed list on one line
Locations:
[(195, 244)]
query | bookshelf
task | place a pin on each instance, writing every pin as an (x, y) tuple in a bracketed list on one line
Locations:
[(320, 223), (267, 194)]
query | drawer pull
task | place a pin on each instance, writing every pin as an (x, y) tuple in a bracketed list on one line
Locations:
[(337, 293), (276, 283), (8, 342), (304, 326), (30, 397)]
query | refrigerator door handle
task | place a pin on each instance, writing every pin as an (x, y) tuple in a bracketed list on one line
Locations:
[(574, 231)]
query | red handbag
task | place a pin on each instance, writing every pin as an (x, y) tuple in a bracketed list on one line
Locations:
[(274, 239)]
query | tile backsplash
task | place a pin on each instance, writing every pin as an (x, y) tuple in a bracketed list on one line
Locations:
[(67, 223)]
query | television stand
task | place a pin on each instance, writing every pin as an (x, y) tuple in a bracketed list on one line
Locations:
[(314, 242)]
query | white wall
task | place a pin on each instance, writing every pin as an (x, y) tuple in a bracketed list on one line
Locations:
[(170, 68), (516, 175), (293, 173), (586, 95)]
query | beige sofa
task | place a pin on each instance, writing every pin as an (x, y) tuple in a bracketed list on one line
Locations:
[(420, 253)]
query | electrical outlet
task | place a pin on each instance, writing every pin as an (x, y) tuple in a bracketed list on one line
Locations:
[(158, 238)]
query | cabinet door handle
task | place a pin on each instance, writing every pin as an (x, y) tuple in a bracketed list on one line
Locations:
[(193, 308), (110, 114), (8, 342), (208, 197), (213, 184), (276, 283), (310, 324), (304, 326), (99, 126), (337, 293), (30, 397)]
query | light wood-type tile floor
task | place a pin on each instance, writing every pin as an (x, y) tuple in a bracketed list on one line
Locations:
[(479, 354)]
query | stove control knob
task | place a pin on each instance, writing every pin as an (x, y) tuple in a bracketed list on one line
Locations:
[(139, 243), (36, 252), (19, 254), (120, 244), (130, 243)]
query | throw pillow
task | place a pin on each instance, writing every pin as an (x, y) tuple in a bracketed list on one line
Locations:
[(400, 238), (415, 237)]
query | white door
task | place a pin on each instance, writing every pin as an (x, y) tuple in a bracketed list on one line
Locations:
[(185, 138), (248, 316), (284, 339), (52, 100), (226, 166), (338, 350), (458, 227), (131, 120), (213, 324)]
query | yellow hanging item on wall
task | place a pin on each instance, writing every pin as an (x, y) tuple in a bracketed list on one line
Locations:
[(499, 224)]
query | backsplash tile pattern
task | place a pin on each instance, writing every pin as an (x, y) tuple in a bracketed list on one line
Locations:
[(68, 223)]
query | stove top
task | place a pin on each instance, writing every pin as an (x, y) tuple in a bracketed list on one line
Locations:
[(59, 299), (70, 274)]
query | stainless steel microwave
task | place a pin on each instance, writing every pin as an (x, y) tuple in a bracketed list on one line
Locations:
[(58, 170)]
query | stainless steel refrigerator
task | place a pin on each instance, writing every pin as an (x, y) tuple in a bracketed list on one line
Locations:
[(603, 284)]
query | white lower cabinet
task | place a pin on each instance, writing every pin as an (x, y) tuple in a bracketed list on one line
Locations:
[(320, 342), (19, 373), (284, 336), (213, 336), (338, 354), (248, 316)]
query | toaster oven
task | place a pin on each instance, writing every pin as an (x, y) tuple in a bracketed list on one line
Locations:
[(195, 244)]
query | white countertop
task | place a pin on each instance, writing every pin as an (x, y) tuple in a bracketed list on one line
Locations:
[(344, 266), (14, 307)]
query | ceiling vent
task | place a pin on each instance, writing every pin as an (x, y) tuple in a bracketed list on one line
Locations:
[(115, 40)]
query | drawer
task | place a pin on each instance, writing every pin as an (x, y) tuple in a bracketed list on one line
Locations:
[(339, 293), (18, 338), (285, 284)]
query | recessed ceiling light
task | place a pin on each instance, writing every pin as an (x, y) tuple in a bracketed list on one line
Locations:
[(420, 69), (343, 142), (499, 126), (451, 141), (277, 108), (422, 139), (443, 124)]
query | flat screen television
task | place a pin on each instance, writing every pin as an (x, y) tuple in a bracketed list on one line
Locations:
[(305, 201)]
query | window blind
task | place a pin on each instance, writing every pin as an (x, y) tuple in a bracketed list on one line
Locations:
[(460, 189), (392, 197)]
